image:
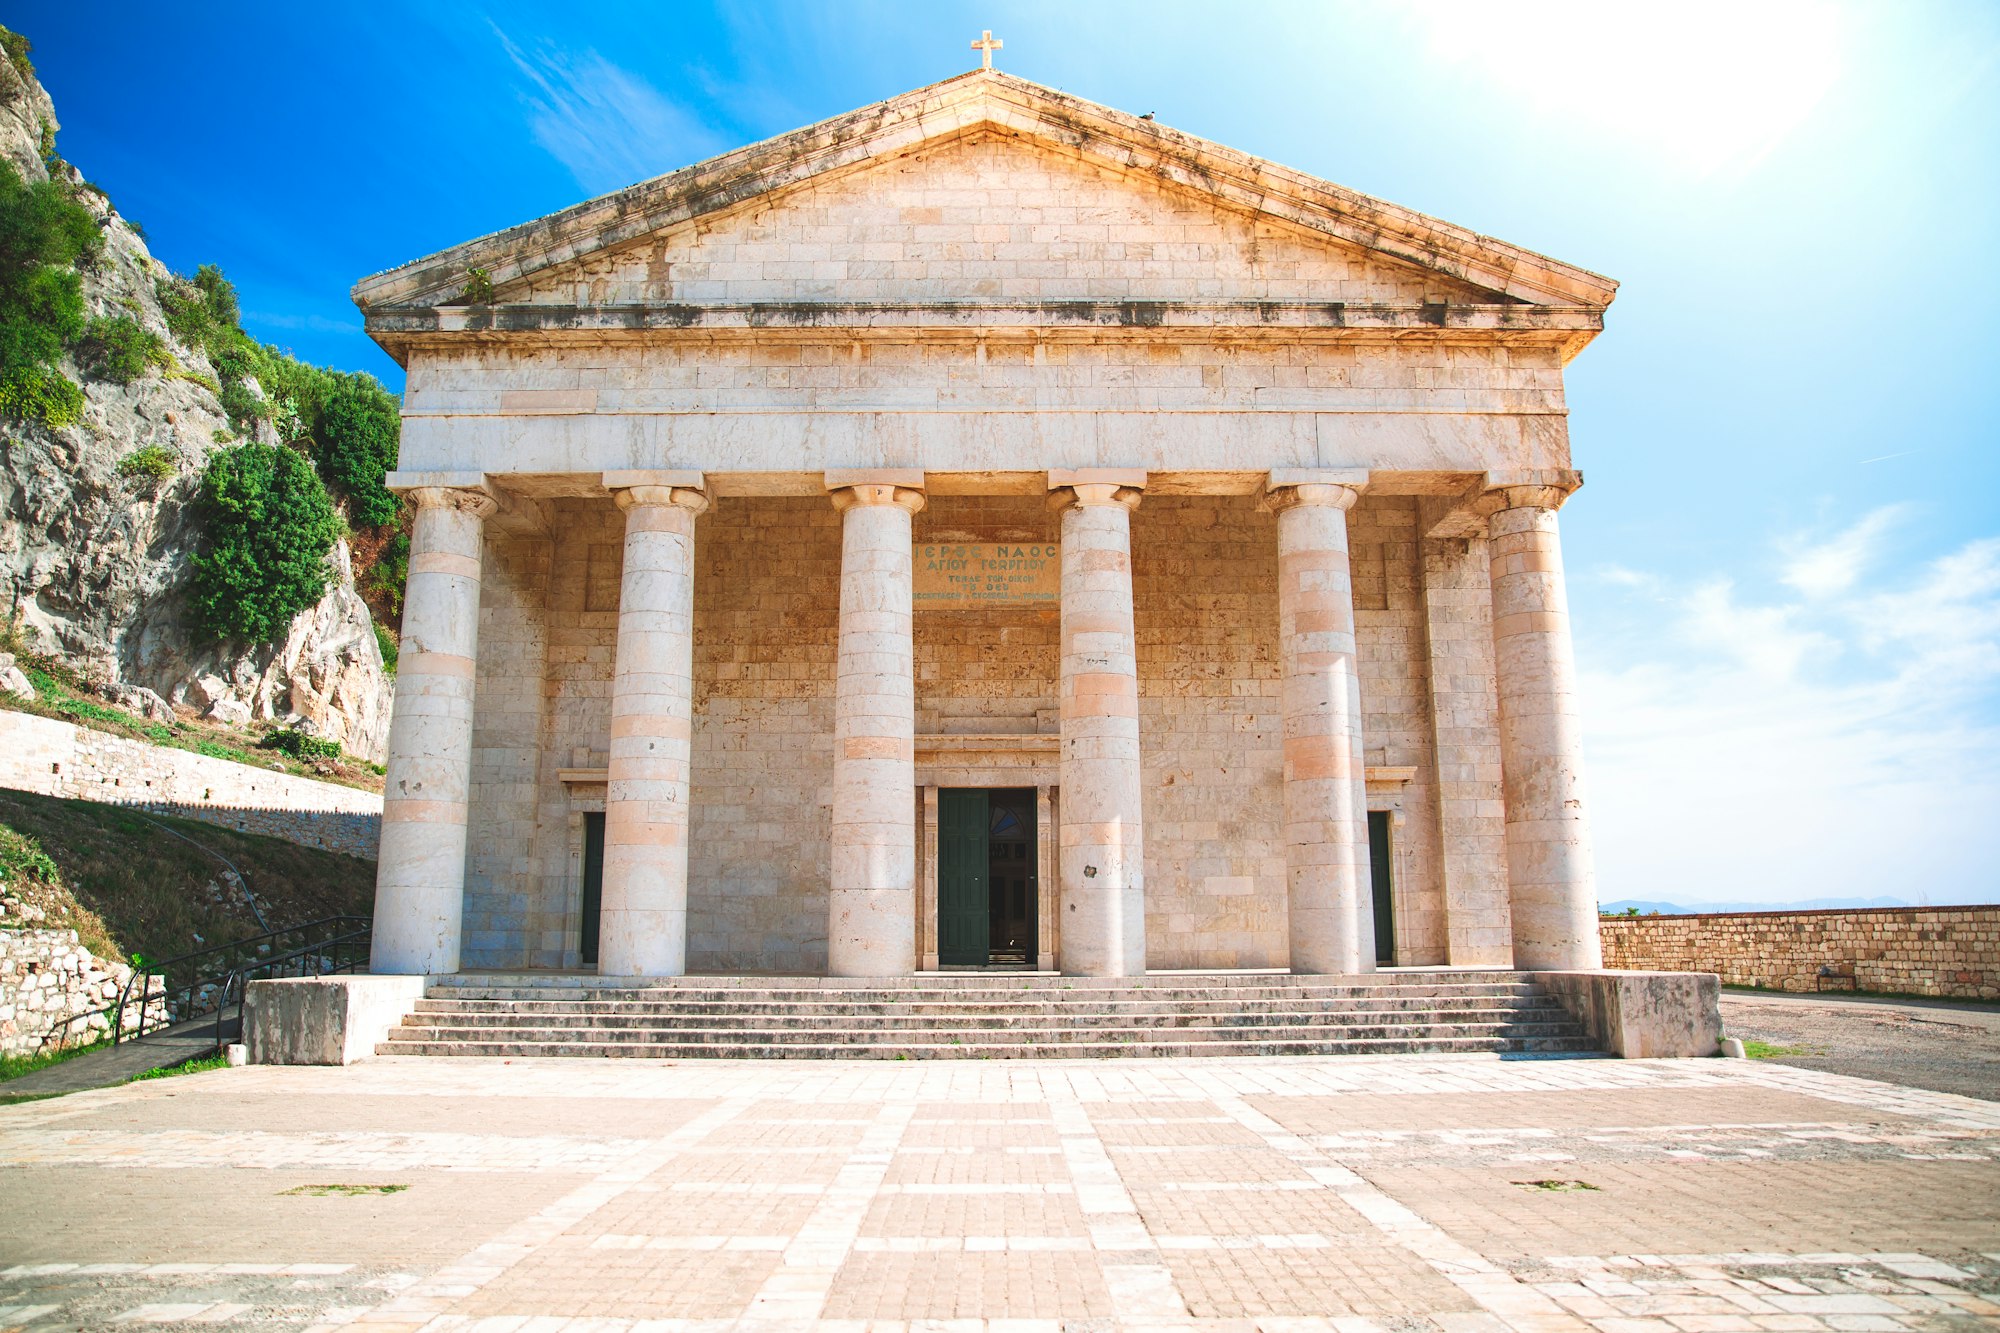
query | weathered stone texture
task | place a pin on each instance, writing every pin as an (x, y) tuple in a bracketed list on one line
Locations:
[(54, 758), (1205, 599), (992, 218), (53, 993), (1471, 829), (766, 638), (502, 925), (1919, 950)]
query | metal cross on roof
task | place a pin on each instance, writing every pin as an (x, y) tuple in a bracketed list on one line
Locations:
[(986, 46)]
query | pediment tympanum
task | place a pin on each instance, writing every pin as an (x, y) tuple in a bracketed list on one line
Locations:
[(984, 190)]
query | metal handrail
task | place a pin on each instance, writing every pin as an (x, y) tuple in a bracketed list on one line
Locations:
[(328, 937)]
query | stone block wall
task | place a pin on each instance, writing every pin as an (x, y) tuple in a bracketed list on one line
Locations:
[(1205, 606), (766, 636), (53, 992), (54, 758), (1919, 950)]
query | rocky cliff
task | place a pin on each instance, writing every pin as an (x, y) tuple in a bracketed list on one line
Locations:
[(95, 564)]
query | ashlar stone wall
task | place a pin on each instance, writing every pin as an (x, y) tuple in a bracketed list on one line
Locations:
[(1918, 950)]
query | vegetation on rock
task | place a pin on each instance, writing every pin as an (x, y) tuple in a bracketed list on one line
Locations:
[(347, 423), (153, 464), (120, 350), (269, 527), (301, 745), (44, 235)]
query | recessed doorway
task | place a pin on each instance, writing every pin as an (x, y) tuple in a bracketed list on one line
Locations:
[(987, 879)]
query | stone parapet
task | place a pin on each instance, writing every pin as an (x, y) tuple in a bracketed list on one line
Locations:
[(1643, 1015), (52, 758), (1919, 950)]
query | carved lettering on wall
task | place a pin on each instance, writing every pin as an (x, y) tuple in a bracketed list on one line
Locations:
[(961, 576)]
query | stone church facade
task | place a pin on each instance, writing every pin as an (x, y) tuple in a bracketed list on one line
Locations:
[(984, 529)]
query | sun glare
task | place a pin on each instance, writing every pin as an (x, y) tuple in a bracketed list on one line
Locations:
[(1711, 88)]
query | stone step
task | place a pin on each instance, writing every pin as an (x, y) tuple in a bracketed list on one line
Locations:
[(753, 1003), (883, 995), (1570, 1046), (416, 1030), (444, 1015), (980, 980)]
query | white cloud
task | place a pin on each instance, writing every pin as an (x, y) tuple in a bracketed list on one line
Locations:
[(1825, 746), (609, 126), (1822, 569)]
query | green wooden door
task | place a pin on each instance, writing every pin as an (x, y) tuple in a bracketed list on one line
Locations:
[(593, 883), (962, 871), (1380, 868)]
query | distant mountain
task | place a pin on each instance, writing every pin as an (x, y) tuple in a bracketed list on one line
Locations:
[(1803, 905)]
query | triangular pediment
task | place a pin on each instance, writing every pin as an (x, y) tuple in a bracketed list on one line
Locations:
[(986, 188)]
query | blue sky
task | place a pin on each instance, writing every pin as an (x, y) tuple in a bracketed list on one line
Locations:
[(1785, 571)]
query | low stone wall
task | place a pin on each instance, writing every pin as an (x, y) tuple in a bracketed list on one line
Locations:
[(53, 993), (54, 758), (1919, 950)]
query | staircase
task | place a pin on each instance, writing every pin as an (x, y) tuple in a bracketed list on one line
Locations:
[(986, 1015)]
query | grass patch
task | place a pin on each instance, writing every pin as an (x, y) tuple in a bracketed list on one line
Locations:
[(14, 1066), (343, 1191), (1764, 1050), (201, 1064), (1558, 1186)]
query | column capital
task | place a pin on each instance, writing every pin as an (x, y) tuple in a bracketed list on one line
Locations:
[(691, 498), (1290, 488), (1527, 488), (900, 486), (1095, 486), (475, 502)]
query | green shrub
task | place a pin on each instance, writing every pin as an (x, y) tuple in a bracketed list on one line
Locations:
[(120, 349), (17, 47), (268, 526), (358, 434), (44, 235), (390, 649), (154, 463), (391, 574), (300, 745), (40, 394), (478, 289)]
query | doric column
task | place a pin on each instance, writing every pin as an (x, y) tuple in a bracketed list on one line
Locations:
[(420, 870), (1330, 896), (1101, 857), (643, 922), (1551, 883), (871, 910)]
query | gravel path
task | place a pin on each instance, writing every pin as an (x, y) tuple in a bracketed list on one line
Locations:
[(1941, 1045)]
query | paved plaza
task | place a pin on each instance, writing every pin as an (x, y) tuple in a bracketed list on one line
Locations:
[(1459, 1194)]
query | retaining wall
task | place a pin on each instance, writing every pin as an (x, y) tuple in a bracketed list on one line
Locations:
[(1919, 950), (53, 993), (54, 758)]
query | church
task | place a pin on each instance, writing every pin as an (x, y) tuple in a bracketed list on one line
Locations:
[(984, 530)]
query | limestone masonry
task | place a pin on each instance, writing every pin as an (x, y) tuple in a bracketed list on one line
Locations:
[(985, 529), (53, 993), (1917, 950), (54, 758)]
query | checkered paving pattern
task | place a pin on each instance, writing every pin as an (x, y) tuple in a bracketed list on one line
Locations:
[(1448, 1195)]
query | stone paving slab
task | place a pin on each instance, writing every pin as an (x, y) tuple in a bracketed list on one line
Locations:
[(1448, 1195)]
